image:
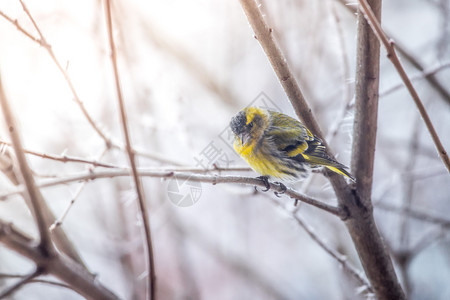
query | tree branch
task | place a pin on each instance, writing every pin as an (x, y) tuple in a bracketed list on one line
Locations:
[(360, 222), (431, 78), (32, 192), (63, 268), (131, 155), (414, 213), (46, 215), (366, 107), (24, 280), (341, 259), (213, 179), (372, 250), (263, 33), (43, 42), (392, 55)]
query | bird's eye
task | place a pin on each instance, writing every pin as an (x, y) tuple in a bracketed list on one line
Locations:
[(250, 124)]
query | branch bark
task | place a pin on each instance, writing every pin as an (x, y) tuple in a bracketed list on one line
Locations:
[(392, 55), (32, 193), (362, 227), (75, 275), (213, 179), (431, 78), (360, 222), (131, 156), (46, 217)]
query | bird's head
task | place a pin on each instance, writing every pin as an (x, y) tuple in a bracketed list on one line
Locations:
[(249, 124)]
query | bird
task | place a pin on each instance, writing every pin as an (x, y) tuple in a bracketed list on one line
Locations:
[(276, 145)]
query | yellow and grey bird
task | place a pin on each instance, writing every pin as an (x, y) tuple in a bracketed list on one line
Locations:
[(276, 145)]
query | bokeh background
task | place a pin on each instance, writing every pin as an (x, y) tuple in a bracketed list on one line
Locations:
[(186, 68)]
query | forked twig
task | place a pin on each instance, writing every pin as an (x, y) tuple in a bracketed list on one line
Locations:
[(431, 78), (24, 280), (32, 192), (392, 55)]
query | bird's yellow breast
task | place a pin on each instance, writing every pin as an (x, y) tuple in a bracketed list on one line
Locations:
[(258, 161)]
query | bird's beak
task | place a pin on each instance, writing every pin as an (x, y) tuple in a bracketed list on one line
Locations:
[(244, 138)]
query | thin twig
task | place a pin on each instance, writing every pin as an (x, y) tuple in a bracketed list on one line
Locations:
[(35, 197), (76, 98), (131, 155), (341, 259), (239, 265), (65, 158), (21, 29), (24, 280), (50, 282), (347, 95), (65, 269), (95, 163), (80, 188), (432, 79), (213, 179), (424, 74), (7, 164), (43, 42), (191, 64), (408, 187), (416, 214), (392, 55)]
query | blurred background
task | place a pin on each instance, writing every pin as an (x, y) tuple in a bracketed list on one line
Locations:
[(186, 68)]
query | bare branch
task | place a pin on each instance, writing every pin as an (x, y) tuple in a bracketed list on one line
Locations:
[(414, 213), (360, 222), (341, 259), (7, 164), (366, 107), (32, 192), (431, 78), (24, 280), (64, 158), (213, 179), (239, 265), (422, 75), (43, 42), (263, 33), (66, 77), (63, 268), (4, 165), (392, 55), (50, 282), (72, 201), (190, 63), (60, 238), (21, 29), (131, 155)]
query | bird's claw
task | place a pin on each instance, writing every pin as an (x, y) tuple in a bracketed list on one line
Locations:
[(282, 187), (265, 180)]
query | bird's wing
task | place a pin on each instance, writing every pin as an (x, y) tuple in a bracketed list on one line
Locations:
[(289, 135)]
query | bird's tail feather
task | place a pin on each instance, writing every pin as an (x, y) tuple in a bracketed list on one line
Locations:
[(342, 171), (330, 164)]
